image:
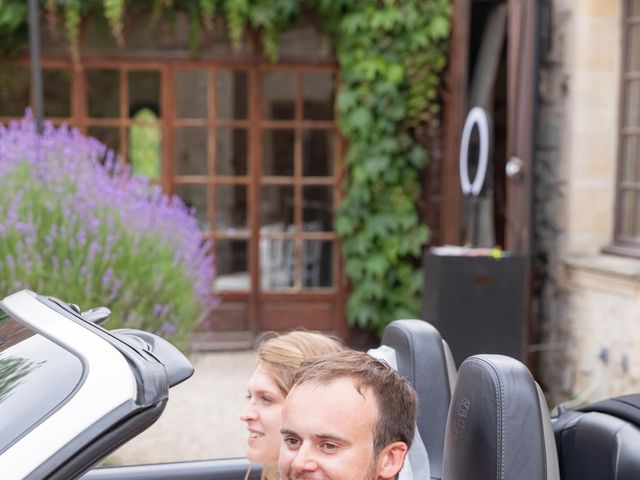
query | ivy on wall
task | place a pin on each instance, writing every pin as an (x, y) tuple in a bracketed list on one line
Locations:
[(391, 55)]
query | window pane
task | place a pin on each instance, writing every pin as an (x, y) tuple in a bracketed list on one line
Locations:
[(232, 272), (277, 206), (231, 151), (144, 92), (56, 88), (145, 145), (277, 152), (14, 91), (191, 93), (630, 159), (317, 153), (633, 47), (317, 264), (232, 93), (196, 196), (633, 8), (276, 263), (191, 151), (110, 136), (103, 93), (628, 213), (278, 96), (632, 104), (318, 90), (317, 212), (231, 206)]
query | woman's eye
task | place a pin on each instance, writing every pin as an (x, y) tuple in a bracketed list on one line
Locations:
[(267, 400)]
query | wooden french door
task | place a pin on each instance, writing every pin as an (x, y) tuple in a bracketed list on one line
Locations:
[(253, 148), (267, 189)]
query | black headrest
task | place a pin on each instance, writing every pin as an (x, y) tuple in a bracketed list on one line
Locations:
[(497, 428), (421, 358), (600, 441)]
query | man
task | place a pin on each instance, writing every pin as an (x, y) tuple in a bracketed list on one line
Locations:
[(348, 416)]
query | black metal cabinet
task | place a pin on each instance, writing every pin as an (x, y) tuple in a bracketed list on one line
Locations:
[(479, 304)]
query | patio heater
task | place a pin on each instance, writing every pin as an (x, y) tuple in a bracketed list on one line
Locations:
[(36, 68)]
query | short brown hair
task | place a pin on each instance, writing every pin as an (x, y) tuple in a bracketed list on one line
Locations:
[(397, 400), (281, 355)]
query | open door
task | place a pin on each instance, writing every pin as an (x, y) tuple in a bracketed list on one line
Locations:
[(491, 76), (492, 65)]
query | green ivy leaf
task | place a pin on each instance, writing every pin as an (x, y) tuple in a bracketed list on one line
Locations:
[(377, 265), (360, 119)]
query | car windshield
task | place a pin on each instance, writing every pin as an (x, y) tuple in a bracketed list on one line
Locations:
[(37, 376)]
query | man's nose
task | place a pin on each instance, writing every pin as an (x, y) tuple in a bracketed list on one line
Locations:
[(304, 460)]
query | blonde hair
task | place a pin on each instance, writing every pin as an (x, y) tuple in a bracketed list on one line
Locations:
[(281, 355)]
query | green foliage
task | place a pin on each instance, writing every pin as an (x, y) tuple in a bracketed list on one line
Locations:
[(94, 235), (113, 12), (391, 54)]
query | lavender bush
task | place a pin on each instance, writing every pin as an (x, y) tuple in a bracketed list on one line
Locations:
[(76, 225)]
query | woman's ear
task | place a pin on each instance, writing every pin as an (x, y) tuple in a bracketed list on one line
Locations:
[(391, 459)]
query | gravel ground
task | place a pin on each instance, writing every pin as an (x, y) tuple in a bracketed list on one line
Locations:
[(201, 419)]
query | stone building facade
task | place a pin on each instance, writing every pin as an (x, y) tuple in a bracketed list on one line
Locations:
[(588, 294)]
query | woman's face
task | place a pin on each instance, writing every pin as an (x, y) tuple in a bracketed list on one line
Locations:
[(263, 417)]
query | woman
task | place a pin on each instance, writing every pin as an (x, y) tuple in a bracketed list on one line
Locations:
[(278, 358)]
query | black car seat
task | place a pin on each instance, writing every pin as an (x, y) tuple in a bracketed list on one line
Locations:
[(426, 361), (498, 426), (600, 441)]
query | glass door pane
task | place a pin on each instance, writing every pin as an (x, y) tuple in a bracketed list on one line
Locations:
[(231, 208), (278, 95), (196, 196), (278, 153), (103, 93), (144, 92), (318, 91), (317, 211), (191, 93), (15, 94), (191, 151), (231, 151), (317, 264), (232, 94), (145, 144), (232, 272), (56, 86), (318, 147)]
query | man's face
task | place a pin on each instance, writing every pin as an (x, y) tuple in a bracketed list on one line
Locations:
[(327, 433)]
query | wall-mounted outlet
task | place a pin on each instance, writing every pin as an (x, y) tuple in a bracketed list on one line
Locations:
[(625, 363), (604, 355)]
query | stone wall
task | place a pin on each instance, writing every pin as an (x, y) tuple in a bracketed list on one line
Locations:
[(587, 303)]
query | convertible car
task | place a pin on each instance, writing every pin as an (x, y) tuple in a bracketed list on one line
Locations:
[(71, 392)]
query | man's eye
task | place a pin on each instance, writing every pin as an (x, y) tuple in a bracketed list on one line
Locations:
[(291, 442), (329, 447)]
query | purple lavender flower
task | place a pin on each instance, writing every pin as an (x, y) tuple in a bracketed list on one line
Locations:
[(90, 232)]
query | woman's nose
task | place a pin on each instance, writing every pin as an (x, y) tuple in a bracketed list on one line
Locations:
[(249, 413)]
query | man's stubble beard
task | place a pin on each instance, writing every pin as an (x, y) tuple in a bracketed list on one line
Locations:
[(371, 473)]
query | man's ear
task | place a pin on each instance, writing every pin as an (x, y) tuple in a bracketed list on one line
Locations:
[(391, 459)]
